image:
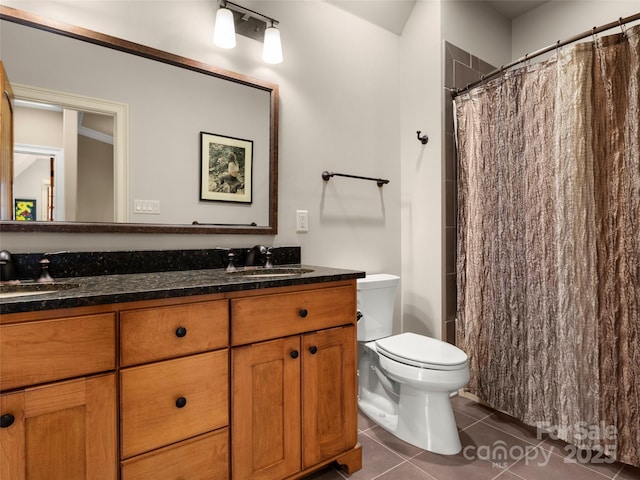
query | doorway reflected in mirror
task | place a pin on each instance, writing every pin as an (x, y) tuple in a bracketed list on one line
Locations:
[(65, 159)]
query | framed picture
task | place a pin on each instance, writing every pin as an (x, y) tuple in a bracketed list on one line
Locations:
[(226, 168), (25, 209)]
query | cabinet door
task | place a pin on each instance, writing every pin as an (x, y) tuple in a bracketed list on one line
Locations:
[(329, 386), (266, 410), (60, 431)]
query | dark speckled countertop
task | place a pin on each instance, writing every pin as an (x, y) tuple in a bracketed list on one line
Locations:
[(104, 289)]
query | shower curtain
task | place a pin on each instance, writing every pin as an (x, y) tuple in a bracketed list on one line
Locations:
[(548, 258)]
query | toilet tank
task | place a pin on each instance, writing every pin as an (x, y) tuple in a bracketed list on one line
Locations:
[(376, 297)]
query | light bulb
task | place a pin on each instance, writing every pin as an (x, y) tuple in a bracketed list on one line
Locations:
[(224, 32), (272, 52)]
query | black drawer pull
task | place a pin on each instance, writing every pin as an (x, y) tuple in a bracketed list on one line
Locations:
[(303, 312), (313, 349), (181, 402), (294, 354), (6, 420), (181, 332)]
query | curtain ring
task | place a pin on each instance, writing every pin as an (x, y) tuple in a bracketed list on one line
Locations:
[(593, 34), (622, 27)]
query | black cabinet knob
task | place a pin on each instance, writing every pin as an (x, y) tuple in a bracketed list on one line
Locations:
[(181, 402), (6, 420), (303, 312), (181, 332), (294, 354), (313, 349)]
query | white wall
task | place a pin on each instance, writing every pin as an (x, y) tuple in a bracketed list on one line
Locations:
[(561, 19), (352, 97), (482, 31), (37, 127), (421, 207), (95, 180), (339, 87), (477, 29)]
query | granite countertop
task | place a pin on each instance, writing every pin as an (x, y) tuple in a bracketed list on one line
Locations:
[(104, 289)]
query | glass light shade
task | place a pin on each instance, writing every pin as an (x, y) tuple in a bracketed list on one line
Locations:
[(224, 31), (272, 52)]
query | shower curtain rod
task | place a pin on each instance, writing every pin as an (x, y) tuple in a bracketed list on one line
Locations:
[(595, 30)]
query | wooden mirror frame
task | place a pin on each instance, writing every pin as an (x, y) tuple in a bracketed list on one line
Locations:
[(85, 35)]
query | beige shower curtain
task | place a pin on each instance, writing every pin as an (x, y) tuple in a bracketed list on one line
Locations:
[(549, 243)]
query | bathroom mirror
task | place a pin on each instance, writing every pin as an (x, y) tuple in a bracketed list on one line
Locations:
[(168, 101)]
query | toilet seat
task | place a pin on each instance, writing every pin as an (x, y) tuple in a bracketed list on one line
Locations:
[(422, 352)]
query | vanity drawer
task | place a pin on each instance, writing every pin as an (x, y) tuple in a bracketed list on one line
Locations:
[(278, 315), (206, 456), (151, 413), (152, 334), (43, 351)]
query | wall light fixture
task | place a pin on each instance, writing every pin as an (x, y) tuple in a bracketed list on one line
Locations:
[(232, 18)]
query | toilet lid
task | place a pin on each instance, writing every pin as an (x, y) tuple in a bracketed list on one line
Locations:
[(423, 352)]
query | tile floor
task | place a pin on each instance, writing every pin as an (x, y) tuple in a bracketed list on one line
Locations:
[(387, 458)]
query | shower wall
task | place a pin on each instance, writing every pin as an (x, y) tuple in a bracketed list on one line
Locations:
[(460, 68)]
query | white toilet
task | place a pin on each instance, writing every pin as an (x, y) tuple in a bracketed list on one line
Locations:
[(405, 380)]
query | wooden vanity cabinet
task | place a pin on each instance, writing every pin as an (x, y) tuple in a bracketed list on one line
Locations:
[(176, 388), (294, 398), (58, 401), (174, 391)]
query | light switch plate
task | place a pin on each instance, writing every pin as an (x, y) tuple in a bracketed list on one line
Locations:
[(151, 207)]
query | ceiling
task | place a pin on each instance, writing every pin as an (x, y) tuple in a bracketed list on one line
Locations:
[(515, 8), (388, 14), (393, 14)]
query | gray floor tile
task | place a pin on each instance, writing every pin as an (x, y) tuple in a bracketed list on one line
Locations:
[(405, 471), (545, 466), (486, 453), (329, 473), (392, 442), (376, 459), (364, 422), (628, 473), (507, 475), (470, 408), (486, 434), (513, 427)]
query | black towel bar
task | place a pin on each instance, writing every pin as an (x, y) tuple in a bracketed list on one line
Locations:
[(327, 175)]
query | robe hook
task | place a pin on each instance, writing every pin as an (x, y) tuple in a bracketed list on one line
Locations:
[(423, 139)]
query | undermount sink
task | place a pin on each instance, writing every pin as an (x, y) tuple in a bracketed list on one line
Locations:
[(261, 272), (23, 289)]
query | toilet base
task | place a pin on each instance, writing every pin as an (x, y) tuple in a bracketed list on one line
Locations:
[(423, 419)]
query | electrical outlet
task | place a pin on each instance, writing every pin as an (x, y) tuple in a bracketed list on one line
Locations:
[(302, 221)]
